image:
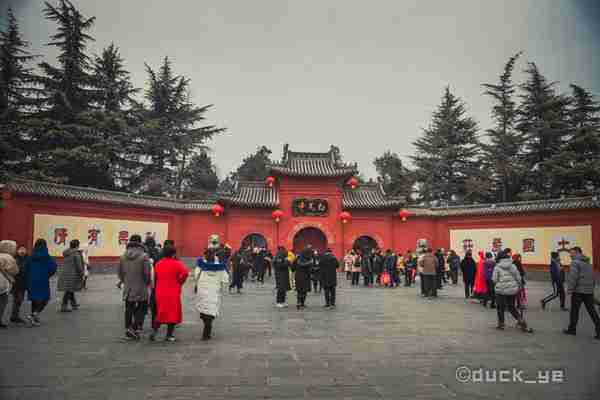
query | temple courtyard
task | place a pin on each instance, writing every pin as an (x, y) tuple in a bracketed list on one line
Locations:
[(377, 344)]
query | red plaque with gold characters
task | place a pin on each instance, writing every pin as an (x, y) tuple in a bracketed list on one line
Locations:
[(310, 207)]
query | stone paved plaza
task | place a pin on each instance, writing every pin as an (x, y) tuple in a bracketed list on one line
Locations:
[(377, 344)]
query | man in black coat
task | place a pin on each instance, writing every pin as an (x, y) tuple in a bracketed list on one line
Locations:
[(260, 264), (441, 277), (237, 271), (467, 267), (328, 270), (302, 266)]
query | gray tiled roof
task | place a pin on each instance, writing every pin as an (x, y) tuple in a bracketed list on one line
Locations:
[(259, 195), (369, 196), (253, 194), (312, 165), (89, 194), (572, 203)]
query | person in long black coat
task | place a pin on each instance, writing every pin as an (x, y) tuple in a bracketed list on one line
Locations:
[(237, 271), (281, 265), (303, 266), (377, 265), (328, 271), (315, 275), (260, 265), (441, 273), (366, 267), (468, 267)]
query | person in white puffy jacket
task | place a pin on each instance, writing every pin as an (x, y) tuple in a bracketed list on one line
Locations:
[(210, 276)]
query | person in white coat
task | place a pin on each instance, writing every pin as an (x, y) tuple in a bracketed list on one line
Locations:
[(210, 276)]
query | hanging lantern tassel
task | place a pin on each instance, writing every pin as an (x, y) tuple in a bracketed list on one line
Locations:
[(345, 216), (217, 210), (277, 214), (404, 214)]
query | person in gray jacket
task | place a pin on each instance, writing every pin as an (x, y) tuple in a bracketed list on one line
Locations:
[(70, 277), (135, 275), (580, 284), (507, 282)]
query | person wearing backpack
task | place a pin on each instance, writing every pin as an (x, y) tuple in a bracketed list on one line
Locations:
[(507, 283)]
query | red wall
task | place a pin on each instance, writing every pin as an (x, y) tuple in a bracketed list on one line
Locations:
[(190, 229), (19, 210)]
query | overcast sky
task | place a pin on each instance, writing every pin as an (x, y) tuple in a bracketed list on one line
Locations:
[(364, 75)]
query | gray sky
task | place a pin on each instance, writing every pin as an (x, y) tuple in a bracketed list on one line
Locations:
[(363, 75)]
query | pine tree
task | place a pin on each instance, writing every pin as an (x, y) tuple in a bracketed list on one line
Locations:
[(542, 121), (63, 137), (68, 85), (16, 95), (113, 118), (446, 154), (577, 168), (254, 167), (170, 133), (502, 156), (201, 176), (397, 180)]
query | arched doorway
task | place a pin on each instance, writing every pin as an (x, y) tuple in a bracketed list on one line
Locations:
[(254, 240), (310, 236), (364, 242)]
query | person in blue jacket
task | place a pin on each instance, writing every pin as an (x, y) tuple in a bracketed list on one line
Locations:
[(557, 274), (39, 267)]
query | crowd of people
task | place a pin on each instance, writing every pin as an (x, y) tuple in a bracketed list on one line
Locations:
[(151, 278)]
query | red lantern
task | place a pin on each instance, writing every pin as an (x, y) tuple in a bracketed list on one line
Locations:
[(277, 214), (270, 181), (217, 210), (352, 182), (404, 214), (345, 216)]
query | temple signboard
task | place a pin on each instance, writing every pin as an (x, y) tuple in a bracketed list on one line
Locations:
[(310, 208)]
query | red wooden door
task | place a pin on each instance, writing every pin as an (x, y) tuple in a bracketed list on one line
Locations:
[(310, 236)]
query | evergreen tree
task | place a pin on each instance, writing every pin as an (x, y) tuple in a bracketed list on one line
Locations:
[(170, 135), (542, 121), (68, 85), (201, 176), (113, 118), (397, 180), (112, 80), (502, 156), (254, 167), (446, 154), (577, 168), (16, 95), (63, 137)]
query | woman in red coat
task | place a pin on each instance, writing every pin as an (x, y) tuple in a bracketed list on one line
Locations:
[(480, 290), (169, 276)]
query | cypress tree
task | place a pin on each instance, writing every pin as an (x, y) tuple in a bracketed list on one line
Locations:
[(577, 168), (446, 154), (170, 131), (113, 117), (64, 135), (542, 121), (17, 95), (502, 155), (395, 177)]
